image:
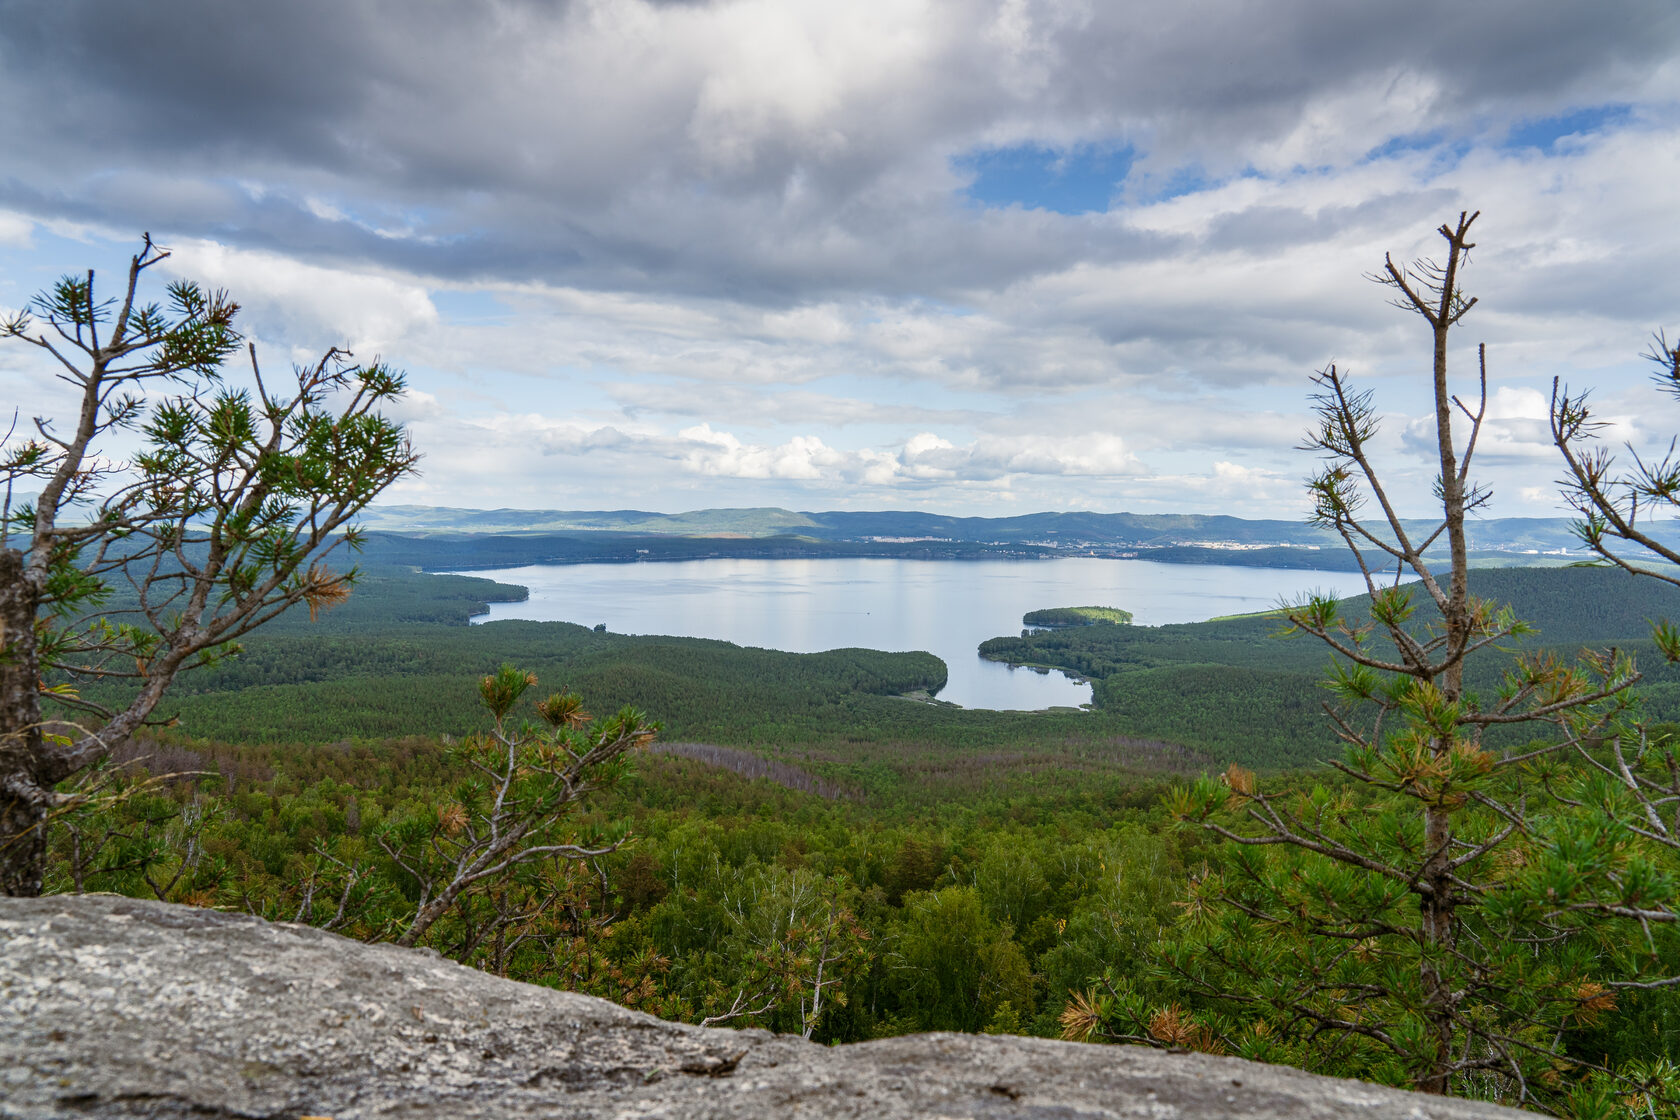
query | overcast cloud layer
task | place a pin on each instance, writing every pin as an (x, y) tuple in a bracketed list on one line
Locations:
[(973, 257)]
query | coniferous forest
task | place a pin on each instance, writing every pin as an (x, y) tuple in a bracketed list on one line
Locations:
[(802, 847)]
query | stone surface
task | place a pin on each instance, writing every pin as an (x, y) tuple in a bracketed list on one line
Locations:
[(116, 1007)]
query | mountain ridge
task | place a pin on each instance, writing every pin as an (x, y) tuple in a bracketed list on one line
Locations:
[(1047, 529)]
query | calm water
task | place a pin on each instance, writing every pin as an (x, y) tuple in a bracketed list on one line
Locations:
[(945, 607)]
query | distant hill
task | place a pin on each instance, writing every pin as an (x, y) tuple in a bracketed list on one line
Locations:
[(702, 523), (1081, 531)]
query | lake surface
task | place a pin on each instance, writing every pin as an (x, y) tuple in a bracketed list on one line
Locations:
[(945, 607)]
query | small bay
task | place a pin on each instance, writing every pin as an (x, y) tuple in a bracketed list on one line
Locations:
[(945, 607)]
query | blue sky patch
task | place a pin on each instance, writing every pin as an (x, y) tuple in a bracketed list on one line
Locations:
[(1545, 132), (1070, 181), (1444, 154), (466, 306), (1189, 179), (1410, 142)]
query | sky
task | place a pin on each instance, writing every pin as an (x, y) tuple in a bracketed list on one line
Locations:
[(969, 257)]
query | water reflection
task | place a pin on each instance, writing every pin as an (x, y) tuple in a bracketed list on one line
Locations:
[(945, 607)]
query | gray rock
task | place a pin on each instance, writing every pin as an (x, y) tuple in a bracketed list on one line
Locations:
[(114, 1007)]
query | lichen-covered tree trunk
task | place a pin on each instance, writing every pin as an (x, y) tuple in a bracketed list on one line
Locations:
[(23, 794)]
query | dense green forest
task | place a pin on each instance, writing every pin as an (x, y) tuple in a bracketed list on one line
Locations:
[(396, 659), (945, 868), (1048, 889), (997, 908), (1243, 690)]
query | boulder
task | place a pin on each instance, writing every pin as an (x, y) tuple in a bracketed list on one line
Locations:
[(116, 1007)]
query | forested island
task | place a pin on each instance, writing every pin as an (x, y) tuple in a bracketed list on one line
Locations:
[(1060, 618)]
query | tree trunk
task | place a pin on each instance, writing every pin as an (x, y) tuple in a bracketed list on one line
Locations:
[(1437, 903), (1439, 933), (23, 796), (429, 913)]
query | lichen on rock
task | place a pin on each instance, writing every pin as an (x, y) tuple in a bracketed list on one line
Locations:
[(116, 1007)]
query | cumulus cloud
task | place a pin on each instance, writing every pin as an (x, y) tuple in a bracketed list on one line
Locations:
[(927, 456), (1515, 428), (311, 306), (720, 453), (741, 243)]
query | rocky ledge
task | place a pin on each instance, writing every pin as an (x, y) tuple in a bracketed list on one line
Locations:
[(116, 1007)]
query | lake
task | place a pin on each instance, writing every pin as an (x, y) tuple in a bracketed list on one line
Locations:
[(945, 607)]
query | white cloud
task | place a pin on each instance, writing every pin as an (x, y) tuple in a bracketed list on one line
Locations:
[(16, 230), (310, 306), (1508, 402), (825, 323), (1336, 127), (416, 405), (926, 456), (720, 453)]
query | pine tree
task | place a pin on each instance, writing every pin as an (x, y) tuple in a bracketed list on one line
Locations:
[(1468, 893), (129, 571)]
